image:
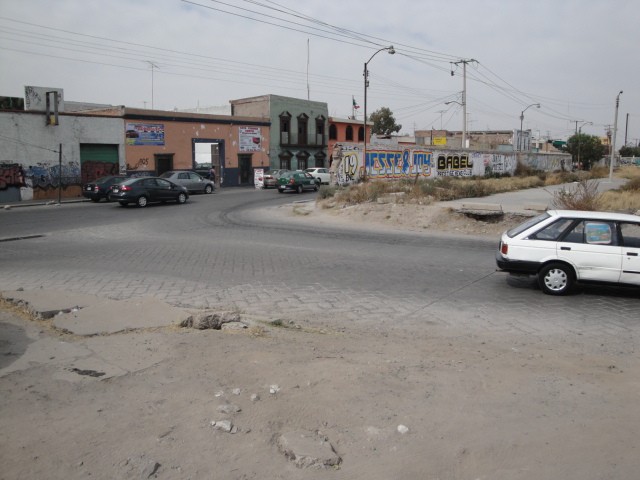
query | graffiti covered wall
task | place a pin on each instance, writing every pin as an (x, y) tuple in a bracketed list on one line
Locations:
[(417, 161), (30, 163)]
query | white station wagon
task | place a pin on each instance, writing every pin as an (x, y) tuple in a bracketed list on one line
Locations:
[(562, 247)]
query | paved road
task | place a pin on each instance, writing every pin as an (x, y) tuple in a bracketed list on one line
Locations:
[(216, 252)]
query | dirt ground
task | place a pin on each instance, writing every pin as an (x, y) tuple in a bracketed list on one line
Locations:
[(315, 399)]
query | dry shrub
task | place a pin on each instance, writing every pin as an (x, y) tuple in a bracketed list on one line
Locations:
[(365, 192), (628, 171), (617, 201), (598, 172), (584, 196), (632, 185), (556, 178)]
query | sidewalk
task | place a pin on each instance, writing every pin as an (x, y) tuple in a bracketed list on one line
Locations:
[(526, 201)]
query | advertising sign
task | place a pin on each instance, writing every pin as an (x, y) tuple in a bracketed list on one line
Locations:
[(144, 134), (250, 139), (439, 140), (258, 177)]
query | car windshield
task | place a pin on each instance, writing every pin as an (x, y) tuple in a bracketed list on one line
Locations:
[(528, 224)]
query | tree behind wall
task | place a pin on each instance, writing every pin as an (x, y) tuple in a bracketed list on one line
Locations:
[(384, 122), (586, 149)]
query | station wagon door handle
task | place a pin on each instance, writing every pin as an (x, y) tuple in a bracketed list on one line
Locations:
[(632, 254), (565, 248)]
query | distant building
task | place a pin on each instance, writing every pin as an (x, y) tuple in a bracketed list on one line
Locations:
[(476, 139), (298, 138)]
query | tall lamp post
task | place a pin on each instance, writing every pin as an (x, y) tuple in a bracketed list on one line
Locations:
[(537, 105), (464, 123), (580, 133), (391, 51), (613, 143)]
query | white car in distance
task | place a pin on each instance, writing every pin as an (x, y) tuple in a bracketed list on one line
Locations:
[(321, 174)]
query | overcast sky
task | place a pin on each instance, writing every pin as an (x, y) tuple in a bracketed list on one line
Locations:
[(571, 56)]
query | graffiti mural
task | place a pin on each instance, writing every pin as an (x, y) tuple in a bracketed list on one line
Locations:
[(381, 163), (92, 170), (394, 163), (11, 175), (398, 164), (454, 164), (47, 176), (488, 163)]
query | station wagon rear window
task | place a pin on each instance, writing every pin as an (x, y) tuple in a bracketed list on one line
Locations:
[(528, 224), (598, 233)]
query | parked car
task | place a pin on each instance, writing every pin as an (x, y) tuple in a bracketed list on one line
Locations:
[(321, 174), (562, 247), (297, 182), (145, 190), (193, 182), (270, 178), (100, 188)]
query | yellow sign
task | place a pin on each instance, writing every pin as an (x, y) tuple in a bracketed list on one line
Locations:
[(439, 141)]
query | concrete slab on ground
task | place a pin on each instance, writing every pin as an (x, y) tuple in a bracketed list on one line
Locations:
[(91, 315)]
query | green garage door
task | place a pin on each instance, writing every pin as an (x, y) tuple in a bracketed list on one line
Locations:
[(98, 160)]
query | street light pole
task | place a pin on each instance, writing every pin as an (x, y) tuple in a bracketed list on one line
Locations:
[(464, 131), (613, 144), (537, 105), (391, 51)]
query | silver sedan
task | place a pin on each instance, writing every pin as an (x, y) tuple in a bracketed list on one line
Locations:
[(190, 180)]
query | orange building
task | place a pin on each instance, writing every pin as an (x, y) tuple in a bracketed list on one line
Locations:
[(346, 130)]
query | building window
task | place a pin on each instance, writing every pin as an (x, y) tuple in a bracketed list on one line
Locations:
[(285, 128), (303, 160), (333, 132), (361, 134), (320, 158), (303, 130), (349, 133), (320, 121), (285, 161)]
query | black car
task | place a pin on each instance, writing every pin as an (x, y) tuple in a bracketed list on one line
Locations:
[(145, 190), (100, 188)]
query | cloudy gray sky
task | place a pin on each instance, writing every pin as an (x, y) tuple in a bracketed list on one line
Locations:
[(571, 56)]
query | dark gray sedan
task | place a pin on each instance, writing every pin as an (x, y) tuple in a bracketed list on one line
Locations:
[(145, 190), (190, 180)]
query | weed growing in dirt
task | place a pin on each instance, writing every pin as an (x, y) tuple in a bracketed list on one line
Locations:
[(417, 190), (584, 196)]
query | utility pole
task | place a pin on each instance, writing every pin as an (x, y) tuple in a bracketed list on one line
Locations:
[(626, 130), (464, 96), (153, 65), (613, 144)]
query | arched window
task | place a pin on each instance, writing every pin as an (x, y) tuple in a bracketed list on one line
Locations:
[(333, 132), (349, 133)]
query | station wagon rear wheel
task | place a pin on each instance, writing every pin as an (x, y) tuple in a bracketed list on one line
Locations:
[(556, 279)]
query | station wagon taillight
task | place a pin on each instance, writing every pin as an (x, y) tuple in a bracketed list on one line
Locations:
[(504, 248)]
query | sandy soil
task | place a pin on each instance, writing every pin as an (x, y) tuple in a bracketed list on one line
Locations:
[(306, 400)]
